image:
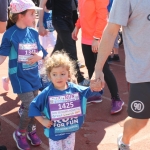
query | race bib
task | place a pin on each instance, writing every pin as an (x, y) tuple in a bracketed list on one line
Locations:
[(25, 51), (65, 106)]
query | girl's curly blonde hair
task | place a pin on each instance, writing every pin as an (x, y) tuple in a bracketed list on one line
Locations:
[(60, 59)]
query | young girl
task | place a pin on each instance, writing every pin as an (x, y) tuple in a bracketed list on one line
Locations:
[(62, 102), (22, 45)]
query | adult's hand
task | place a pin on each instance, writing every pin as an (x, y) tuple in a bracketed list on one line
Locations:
[(75, 33), (95, 45), (97, 82), (42, 31)]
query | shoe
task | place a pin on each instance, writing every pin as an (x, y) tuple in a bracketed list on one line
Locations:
[(94, 99), (116, 106), (80, 65), (5, 83), (20, 110), (21, 141), (122, 146), (3, 147), (85, 82), (116, 58), (34, 139)]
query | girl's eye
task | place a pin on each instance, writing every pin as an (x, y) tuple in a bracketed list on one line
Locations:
[(62, 74), (54, 74)]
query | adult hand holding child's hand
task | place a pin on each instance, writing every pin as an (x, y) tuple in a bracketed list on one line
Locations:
[(97, 82)]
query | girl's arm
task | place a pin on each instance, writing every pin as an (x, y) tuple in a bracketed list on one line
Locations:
[(35, 58), (39, 105), (2, 59), (86, 92), (44, 121)]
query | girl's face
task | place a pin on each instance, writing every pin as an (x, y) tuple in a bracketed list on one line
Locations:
[(28, 18), (59, 76)]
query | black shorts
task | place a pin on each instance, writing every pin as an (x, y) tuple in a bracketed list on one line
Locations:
[(139, 100)]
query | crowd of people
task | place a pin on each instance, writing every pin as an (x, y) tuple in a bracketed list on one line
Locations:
[(61, 105)]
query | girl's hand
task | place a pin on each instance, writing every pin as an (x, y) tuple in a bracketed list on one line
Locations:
[(35, 58), (44, 121), (47, 123)]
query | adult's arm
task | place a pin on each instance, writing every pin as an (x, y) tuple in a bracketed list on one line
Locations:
[(3, 15), (106, 45), (119, 16), (42, 31), (76, 30)]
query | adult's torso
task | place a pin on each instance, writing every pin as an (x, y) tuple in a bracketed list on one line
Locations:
[(62, 8), (62, 15), (136, 33)]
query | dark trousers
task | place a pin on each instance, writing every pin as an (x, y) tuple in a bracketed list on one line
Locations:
[(66, 43), (74, 17), (90, 60)]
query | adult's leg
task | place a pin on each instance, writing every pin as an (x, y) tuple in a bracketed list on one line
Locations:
[(89, 59), (138, 110), (111, 81), (117, 103), (58, 45), (131, 127), (69, 46)]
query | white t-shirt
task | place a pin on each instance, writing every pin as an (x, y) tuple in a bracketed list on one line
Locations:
[(134, 17)]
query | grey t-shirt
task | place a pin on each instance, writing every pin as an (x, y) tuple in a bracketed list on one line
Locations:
[(134, 17), (3, 10)]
